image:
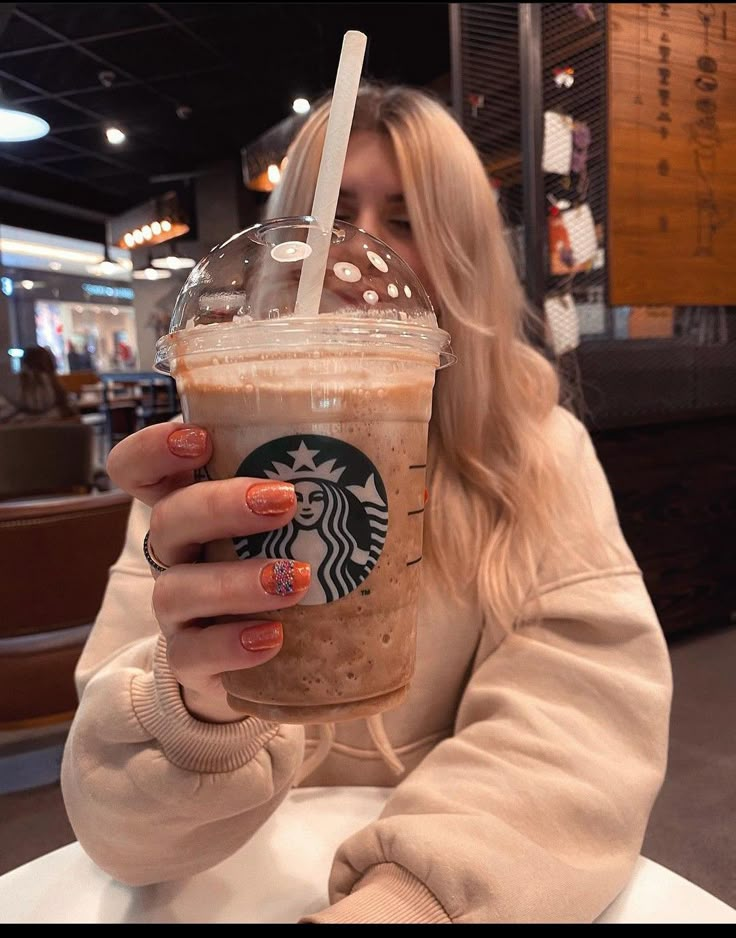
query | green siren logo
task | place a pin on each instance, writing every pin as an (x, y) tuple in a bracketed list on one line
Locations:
[(342, 512)]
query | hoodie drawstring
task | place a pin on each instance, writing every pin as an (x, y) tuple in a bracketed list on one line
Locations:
[(382, 744), (377, 733)]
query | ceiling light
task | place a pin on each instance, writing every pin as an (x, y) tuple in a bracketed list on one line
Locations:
[(107, 267), (151, 230), (114, 135), (54, 265), (301, 106), (11, 246), (173, 261), (28, 284), (17, 126), (150, 272), (273, 173)]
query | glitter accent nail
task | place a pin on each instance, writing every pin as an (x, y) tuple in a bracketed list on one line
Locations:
[(284, 577)]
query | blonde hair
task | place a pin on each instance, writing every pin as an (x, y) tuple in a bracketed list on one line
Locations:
[(487, 449)]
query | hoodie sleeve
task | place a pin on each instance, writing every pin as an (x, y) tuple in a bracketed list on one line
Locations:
[(152, 793), (535, 809)]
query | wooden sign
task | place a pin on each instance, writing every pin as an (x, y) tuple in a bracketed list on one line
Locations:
[(672, 154)]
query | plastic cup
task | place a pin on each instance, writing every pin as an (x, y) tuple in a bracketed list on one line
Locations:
[(339, 404)]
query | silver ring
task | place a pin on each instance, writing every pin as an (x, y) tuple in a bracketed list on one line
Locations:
[(153, 562)]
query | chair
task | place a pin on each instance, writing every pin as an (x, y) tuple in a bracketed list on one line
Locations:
[(56, 556), (159, 401), (76, 381), (45, 459), (138, 399)]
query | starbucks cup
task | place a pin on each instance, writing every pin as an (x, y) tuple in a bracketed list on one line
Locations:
[(339, 405)]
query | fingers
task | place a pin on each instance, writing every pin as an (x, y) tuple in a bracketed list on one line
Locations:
[(197, 657), (186, 593), (187, 518), (159, 459), (196, 653)]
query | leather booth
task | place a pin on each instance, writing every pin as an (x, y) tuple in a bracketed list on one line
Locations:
[(56, 554)]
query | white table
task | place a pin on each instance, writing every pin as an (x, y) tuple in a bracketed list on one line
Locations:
[(280, 875)]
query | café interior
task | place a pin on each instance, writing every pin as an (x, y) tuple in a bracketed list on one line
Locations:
[(136, 137)]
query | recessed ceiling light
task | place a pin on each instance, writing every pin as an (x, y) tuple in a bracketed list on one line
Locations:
[(129, 239), (54, 265), (114, 135), (301, 106), (274, 174), (27, 284), (17, 126)]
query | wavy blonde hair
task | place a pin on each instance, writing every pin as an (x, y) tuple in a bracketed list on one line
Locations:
[(487, 450)]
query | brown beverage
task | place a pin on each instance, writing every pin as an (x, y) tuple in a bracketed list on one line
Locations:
[(351, 433), (337, 402)]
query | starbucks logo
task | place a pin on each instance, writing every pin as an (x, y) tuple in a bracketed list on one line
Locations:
[(342, 512)]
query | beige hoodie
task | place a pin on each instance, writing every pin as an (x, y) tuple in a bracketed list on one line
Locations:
[(532, 759)]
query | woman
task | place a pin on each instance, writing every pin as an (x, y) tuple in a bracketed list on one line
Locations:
[(533, 740), (41, 396)]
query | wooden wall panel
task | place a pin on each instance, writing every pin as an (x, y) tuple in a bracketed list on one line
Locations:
[(672, 154)]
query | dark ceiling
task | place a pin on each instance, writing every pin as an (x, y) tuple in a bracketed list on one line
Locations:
[(237, 66)]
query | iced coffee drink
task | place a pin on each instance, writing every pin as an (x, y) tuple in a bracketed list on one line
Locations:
[(339, 406)]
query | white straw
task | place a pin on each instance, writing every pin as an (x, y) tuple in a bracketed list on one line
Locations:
[(331, 166)]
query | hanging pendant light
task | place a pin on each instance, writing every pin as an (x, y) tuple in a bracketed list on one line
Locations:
[(173, 261), (150, 272), (107, 266)]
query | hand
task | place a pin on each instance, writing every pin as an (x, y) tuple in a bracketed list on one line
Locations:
[(155, 465)]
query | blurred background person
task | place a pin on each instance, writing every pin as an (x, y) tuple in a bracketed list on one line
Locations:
[(39, 395), (79, 360)]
